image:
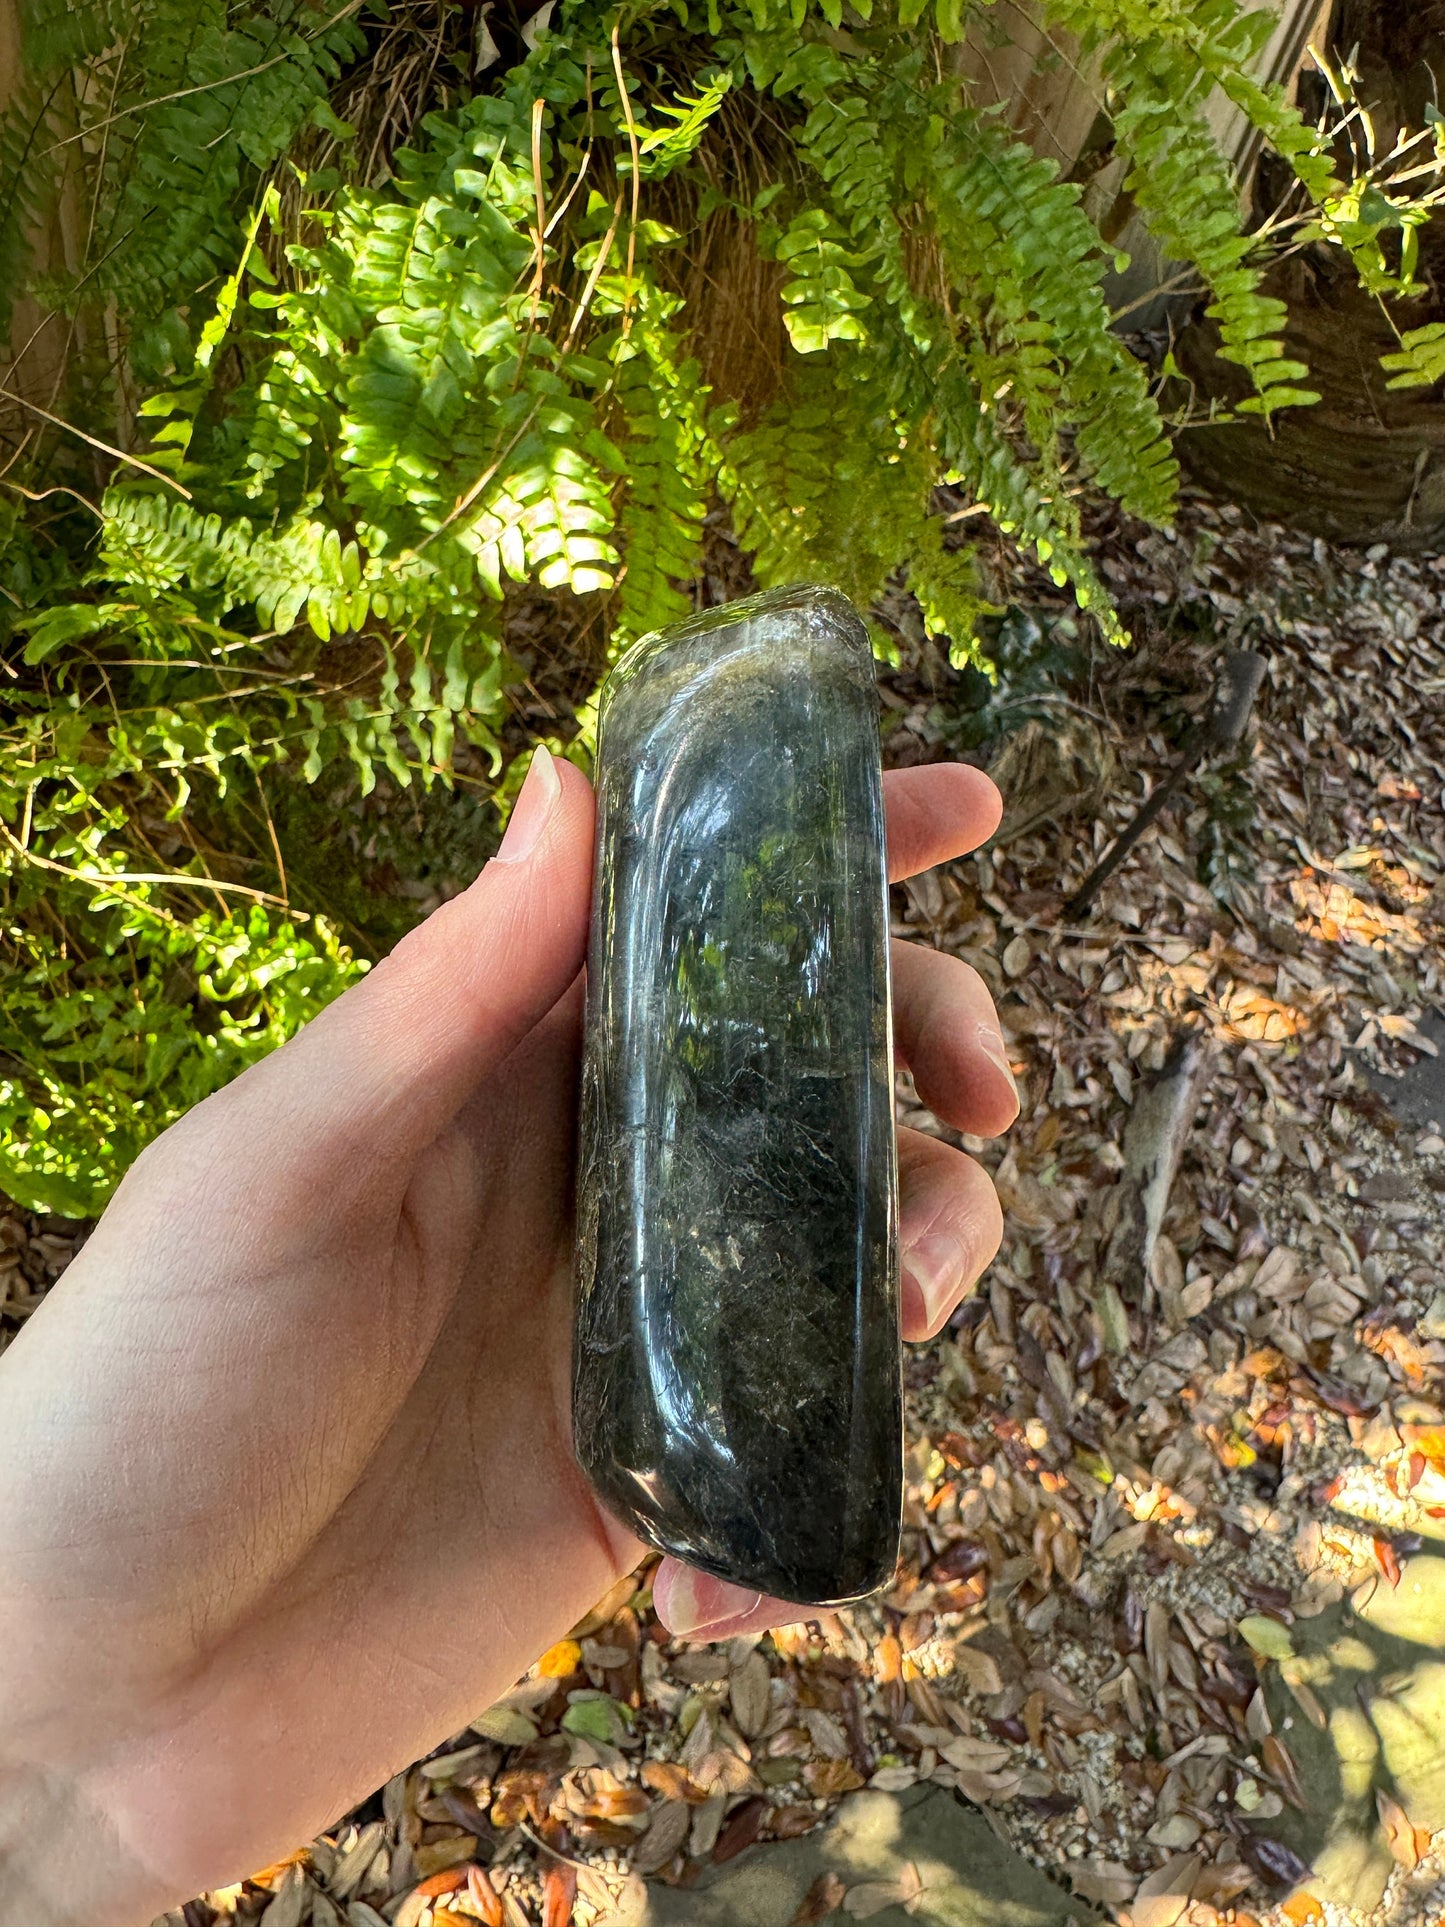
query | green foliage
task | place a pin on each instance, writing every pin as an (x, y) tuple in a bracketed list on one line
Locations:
[(1420, 362), (821, 301), (189, 103), (1163, 58), (668, 456), (380, 384)]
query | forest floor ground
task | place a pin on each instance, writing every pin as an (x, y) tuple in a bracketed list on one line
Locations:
[(1171, 1597)]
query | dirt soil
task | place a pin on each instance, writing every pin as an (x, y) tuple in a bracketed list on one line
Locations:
[(1130, 1493)]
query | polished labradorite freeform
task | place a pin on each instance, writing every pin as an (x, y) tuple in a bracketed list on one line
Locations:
[(736, 1366)]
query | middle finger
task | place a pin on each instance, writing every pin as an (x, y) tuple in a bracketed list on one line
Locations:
[(946, 1031)]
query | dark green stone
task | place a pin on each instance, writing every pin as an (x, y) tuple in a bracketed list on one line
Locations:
[(736, 1365)]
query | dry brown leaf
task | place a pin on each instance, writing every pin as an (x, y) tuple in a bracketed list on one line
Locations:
[(978, 1668), (664, 1837), (1401, 1835), (872, 1896), (1105, 1880), (507, 1725), (742, 1829), (698, 1744), (707, 1822), (1177, 1878), (1156, 1644), (1388, 1560), (976, 1756), (672, 1781), (824, 1897), (352, 1867), (825, 1733), (750, 1692), (826, 1779), (289, 1904), (1279, 1761), (559, 1891), (984, 1789), (485, 1899), (701, 1668), (791, 1822), (1158, 1910), (438, 1857), (437, 1884)]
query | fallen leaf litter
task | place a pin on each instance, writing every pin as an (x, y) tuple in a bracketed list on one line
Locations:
[(1123, 1491)]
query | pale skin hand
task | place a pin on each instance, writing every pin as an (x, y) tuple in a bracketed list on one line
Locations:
[(286, 1492)]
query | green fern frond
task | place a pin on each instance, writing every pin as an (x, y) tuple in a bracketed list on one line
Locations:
[(1420, 362), (945, 584), (661, 149), (821, 301), (1162, 58), (1030, 263), (1190, 202), (668, 457)]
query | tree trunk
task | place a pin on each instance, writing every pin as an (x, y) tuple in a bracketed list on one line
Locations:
[(1364, 464)]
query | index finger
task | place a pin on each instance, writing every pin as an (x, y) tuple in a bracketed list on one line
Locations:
[(935, 812)]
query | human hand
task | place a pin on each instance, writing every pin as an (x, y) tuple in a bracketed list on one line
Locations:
[(286, 1487)]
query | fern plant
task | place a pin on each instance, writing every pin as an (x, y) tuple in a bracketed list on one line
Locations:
[(371, 391)]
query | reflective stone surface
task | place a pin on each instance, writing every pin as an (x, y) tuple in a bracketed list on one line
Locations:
[(736, 1369)]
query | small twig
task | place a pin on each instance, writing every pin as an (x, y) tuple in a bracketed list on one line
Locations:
[(1090, 933), (44, 494), (590, 285), (105, 880), (1154, 808), (1182, 282), (556, 1852), (539, 189), (7, 394), (275, 840), (566, 201), (636, 176)]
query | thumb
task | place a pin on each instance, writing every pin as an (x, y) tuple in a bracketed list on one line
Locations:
[(393, 1059), (694, 1605)]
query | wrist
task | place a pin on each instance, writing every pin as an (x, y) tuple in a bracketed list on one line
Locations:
[(61, 1860)]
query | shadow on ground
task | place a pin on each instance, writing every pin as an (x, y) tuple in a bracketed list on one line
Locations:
[(970, 1878), (1418, 1097), (1377, 1673)]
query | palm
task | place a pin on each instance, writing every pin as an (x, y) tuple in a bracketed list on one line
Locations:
[(365, 1563), (288, 1466)]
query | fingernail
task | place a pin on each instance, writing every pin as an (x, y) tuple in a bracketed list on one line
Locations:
[(696, 1603), (939, 1265), (533, 806), (992, 1046)]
